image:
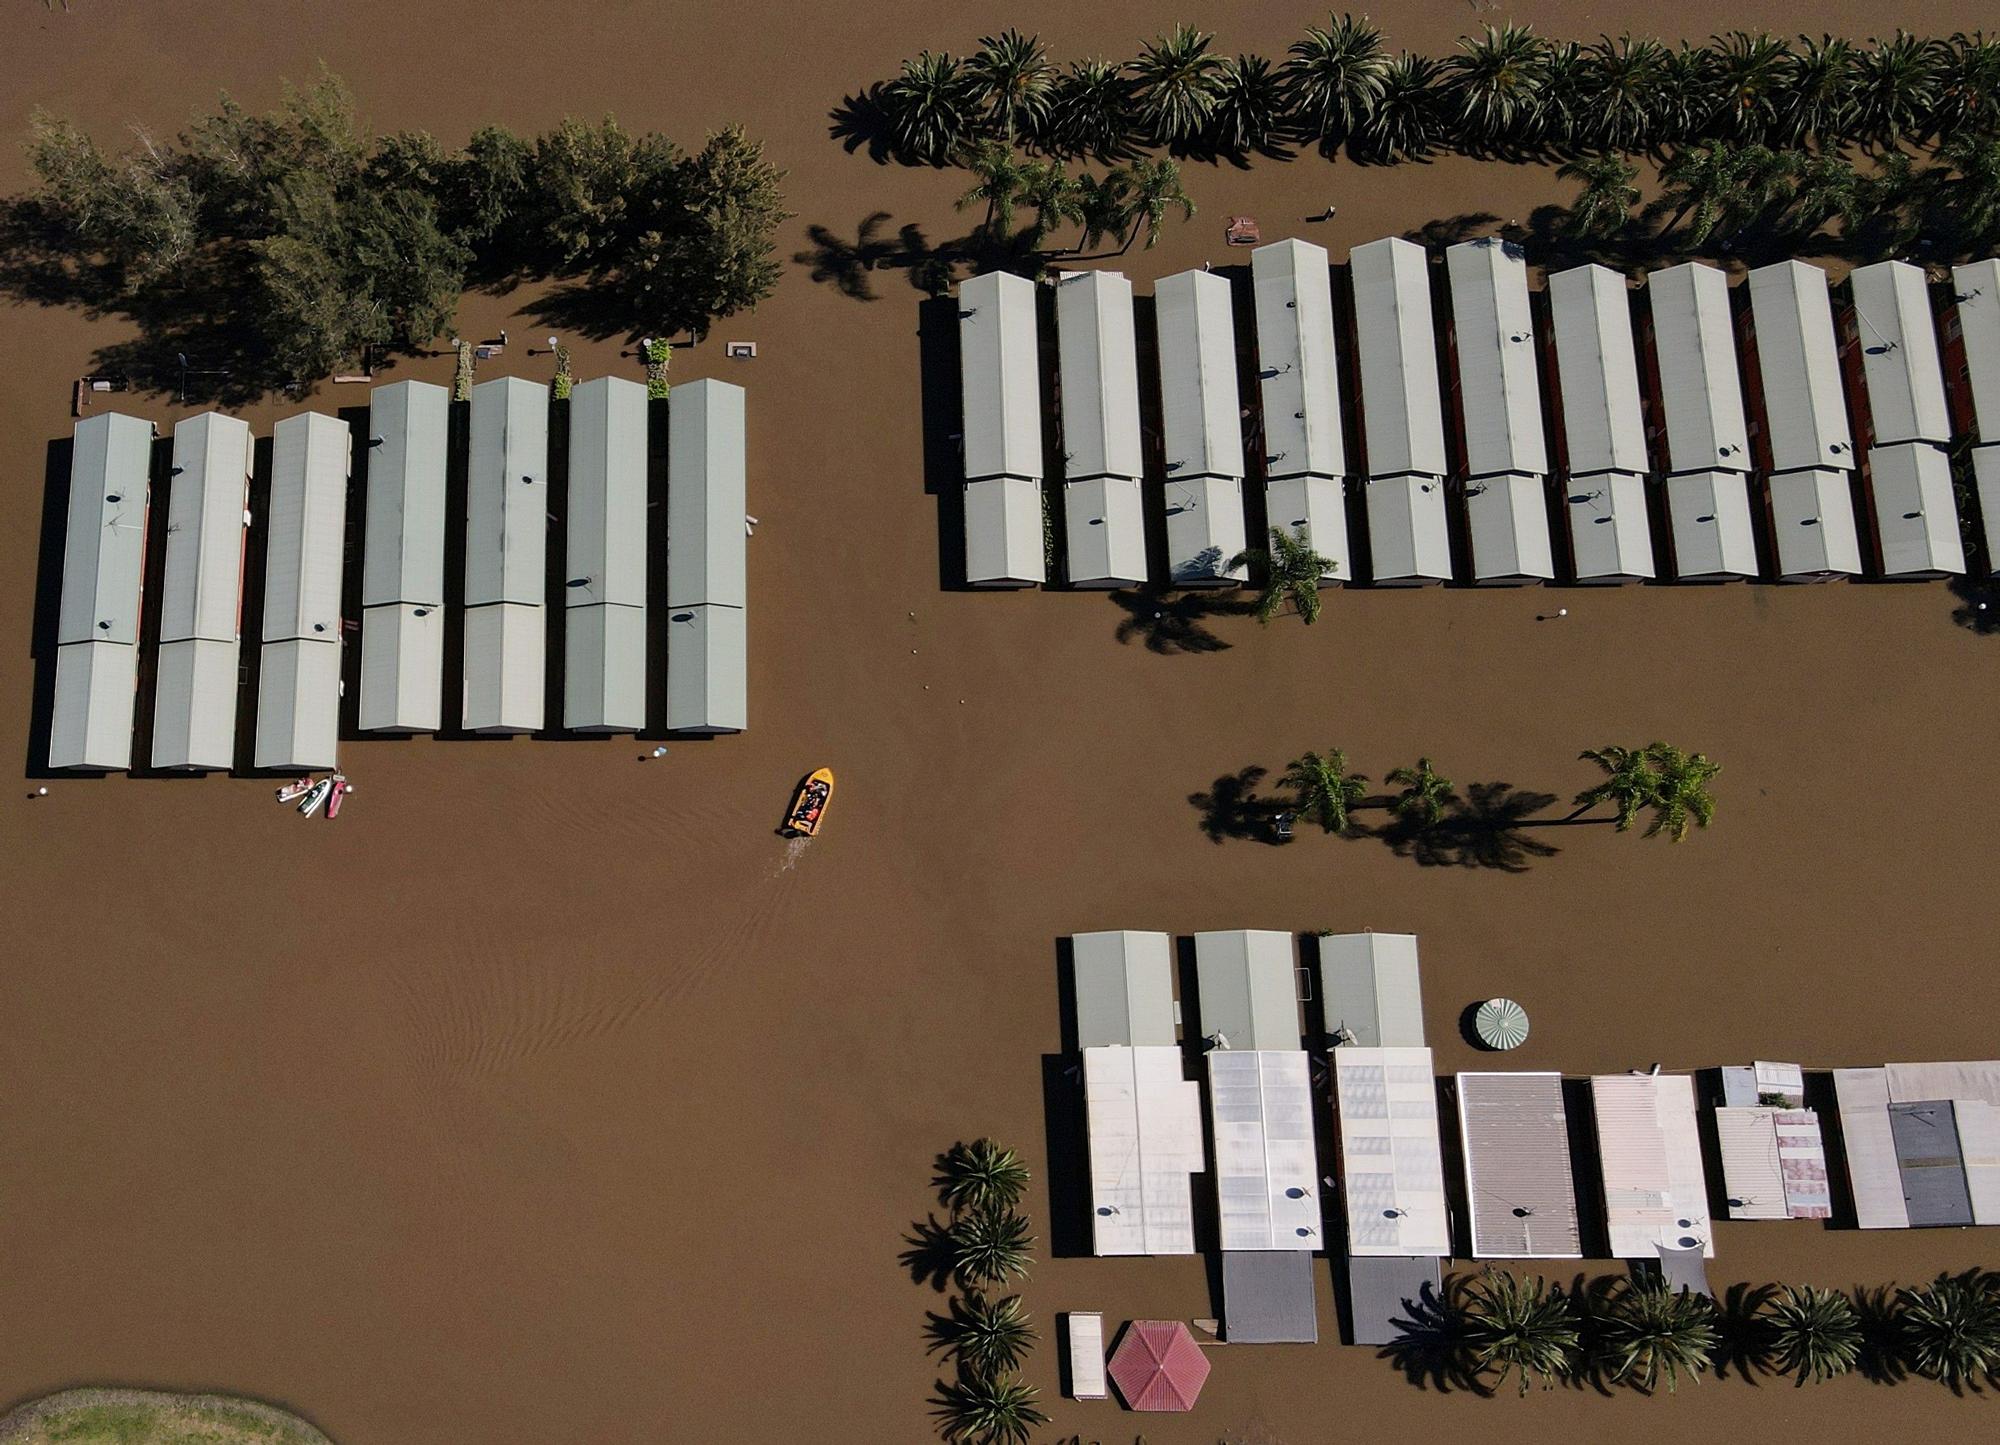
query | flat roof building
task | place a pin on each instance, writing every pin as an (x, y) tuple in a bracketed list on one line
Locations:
[(1649, 1147), (1297, 361), (1124, 988), (1266, 1166), (1392, 1172), (1897, 338), (201, 594), (1518, 1180), (1145, 1139), (1773, 1163), (1249, 992), (1916, 516), (604, 675), (1372, 994), (1000, 377), (1003, 533), (1873, 1175), (298, 682), (402, 560), (1798, 368), (1268, 1297), (1812, 525)]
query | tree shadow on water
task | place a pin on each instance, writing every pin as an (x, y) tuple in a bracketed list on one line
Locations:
[(1232, 808), (1432, 1347), (1169, 622), (1483, 829), (1978, 607), (928, 1253)]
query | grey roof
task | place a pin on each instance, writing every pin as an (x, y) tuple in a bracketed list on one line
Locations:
[(1402, 413), (1200, 414), (1249, 993), (1124, 988), (1899, 354), (1916, 518), (1387, 1293), (1499, 383), (1098, 347), (1104, 522), (1205, 530), (606, 549), (201, 590), (1611, 539), (1685, 1270), (1518, 1177), (1597, 371), (506, 661), (707, 670), (91, 726), (1317, 508), (1409, 538), (298, 704), (1694, 340), (1931, 1163), (1268, 1297), (1370, 986), (307, 523), (706, 498), (104, 550), (1977, 288), (1507, 517), (1710, 516), (194, 703), (402, 556), (1003, 533), (1986, 483), (1812, 522), (402, 668), (1798, 367), (604, 669), (1296, 361), (507, 494), (1000, 377)]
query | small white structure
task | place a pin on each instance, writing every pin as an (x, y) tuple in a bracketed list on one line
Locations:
[(298, 684), (708, 664), (1392, 1171), (1104, 510), (1798, 368), (1408, 537), (1003, 533), (506, 661), (1086, 1355), (1104, 520), (1518, 1180), (1144, 1122), (201, 594), (1200, 417), (1124, 988), (604, 593), (1898, 339), (1976, 290), (1371, 988), (708, 683), (298, 705), (1916, 518), (1709, 516), (402, 560), (506, 558), (1812, 523), (1000, 377), (1314, 508), (1655, 1192), (1402, 413), (1266, 1174), (1305, 449), (1500, 405), (1604, 436), (1694, 339), (91, 724)]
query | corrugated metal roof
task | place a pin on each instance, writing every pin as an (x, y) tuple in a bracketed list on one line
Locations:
[(1104, 522), (1200, 413), (507, 494), (1499, 382), (91, 724), (707, 496), (999, 377), (402, 558), (1812, 521), (1872, 1174), (1392, 1174), (201, 590), (506, 660), (1402, 414), (1098, 347), (1388, 1294), (1655, 1193), (1508, 518), (1205, 530), (402, 668), (307, 524), (1933, 1171), (1249, 993), (1124, 988), (1144, 1120), (298, 705), (104, 548), (1916, 518), (1899, 354), (708, 670), (1317, 508), (1003, 533), (1268, 1297), (1979, 1148), (1798, 365), (1710, 516), (194, 704), (1977, 290), (605, 553), (1370, 987), (1752, 1176), (1266, 1168), (1610, 536), (1296, 360), (1597, 369), (1409, 539), (1701, 391), (1517, 1166), (1952, 1079), (604, 669)]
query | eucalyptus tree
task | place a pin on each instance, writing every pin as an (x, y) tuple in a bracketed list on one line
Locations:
[(1333, 79), (1626, 102), (1495, 86), (1817, 105), (1012, 78), (1753, 72), (1814, 1333), (1605, 195), (1324, 789), (933, 107), (1249, 112), (1177, 84), (1408, 120), (1091, 111), (1895, 90)]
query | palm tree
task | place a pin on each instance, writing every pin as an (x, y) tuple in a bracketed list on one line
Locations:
[(1653, 1331), (1517, 1327), (1605, 195), (1154, 189), (1705, 184), (1818, 100), (1091, 111), (1951, 1328), (1968, 87), (1628, 783), (1815, 1333), (1895, 90), (1685, 98), (1568, 97), (1752, 73), (1000, 175), (1325, 790), (1011, 75), (1425, 794), (1967, 196), (980, 1175), (1178, 84), (1625, 104), (1408, 118), (1050, 192), (1333, 79), (1825, 189), (932, 106), (1495, 85), (988, 1410), (1680, 790), (990, 1246), (987, 1336), (1249, 112), (1290, 571)]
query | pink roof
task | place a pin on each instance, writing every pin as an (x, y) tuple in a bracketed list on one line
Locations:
[(1158, 1366)]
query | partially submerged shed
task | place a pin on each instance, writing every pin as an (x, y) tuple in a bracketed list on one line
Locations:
[(97, 618), (1103, 456), (1200, 417), (1897, 337), (1649, 1148), (1392, 1172), (604, 676), (1604, 437), (1000, 377), (298, 683)]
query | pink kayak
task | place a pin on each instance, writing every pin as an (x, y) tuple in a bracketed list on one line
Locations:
[(341, 788)]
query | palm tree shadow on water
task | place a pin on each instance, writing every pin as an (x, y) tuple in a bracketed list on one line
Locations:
[(1169, 622), (1232, 808), (1978, 608), (1433, 1348), (928, 1253), (1483, 829)]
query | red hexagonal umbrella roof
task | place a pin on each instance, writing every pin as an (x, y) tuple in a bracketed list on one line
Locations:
[(1158, 1366)]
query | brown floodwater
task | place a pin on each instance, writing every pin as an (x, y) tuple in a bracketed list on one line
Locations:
[(547, 1097)]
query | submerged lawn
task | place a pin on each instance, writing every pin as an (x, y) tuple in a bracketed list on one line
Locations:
[(148, 1417)]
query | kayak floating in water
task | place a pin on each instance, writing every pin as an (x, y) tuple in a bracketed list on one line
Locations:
[(295, 790), (808, 808), (315, 796), (341, 788)]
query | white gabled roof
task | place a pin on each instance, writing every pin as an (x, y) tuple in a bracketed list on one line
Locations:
[(1317, 508), (402, 668), (1003, 533), (402, 555), (298, 705), (1144, 1122), (1124, 988), (1899, 354), (1104, 521), (194, 704), (1200, 414), (1655, 1192), (707, 497), (1611, 539), (1402, 414), (1710, 516), (507, 494), (1518, 1180), (1977, 291), (1916, 517), (1499, 382), (1370, 986), (1205, 531), (1409, 538), (1000, 380), (1798, 367), (605, 553), (1297, 360), (104, 549), (307, 523), (1986, 485), (1507, 517), (201, 588), (91, 724), (604, 669), (506, 661), (1098, 348), (1392, 1174), (1597, 370), (708, 670), (1812, 522), (1266, 1168), (1694, 338)]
